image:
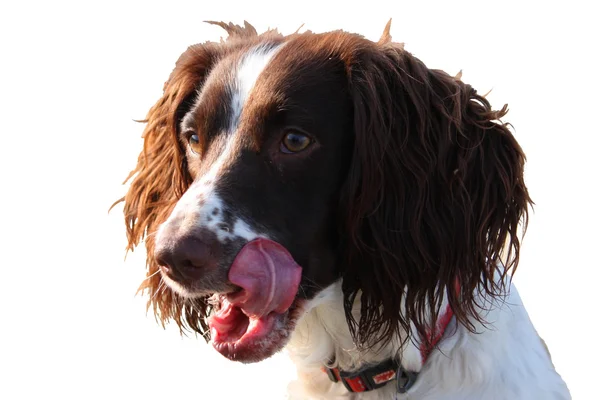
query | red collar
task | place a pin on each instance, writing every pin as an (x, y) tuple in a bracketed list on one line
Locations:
[(375, 376)]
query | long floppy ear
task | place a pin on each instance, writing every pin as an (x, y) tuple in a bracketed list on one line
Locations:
[(433, 199), (161, 177)]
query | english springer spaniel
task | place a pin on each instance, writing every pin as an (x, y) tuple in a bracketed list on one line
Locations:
[(333, 195)]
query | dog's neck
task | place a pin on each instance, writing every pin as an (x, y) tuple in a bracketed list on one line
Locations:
[(322, 337), (464, 366)]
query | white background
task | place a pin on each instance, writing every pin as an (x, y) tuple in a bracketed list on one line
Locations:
[(73, 77)]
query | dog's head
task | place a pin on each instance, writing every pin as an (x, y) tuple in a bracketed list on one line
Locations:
[(274, 166)]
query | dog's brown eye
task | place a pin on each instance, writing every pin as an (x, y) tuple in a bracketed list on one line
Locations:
[(194, 143), (294, 142)]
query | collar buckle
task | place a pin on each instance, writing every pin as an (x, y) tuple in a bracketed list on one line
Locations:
[(405, 380)]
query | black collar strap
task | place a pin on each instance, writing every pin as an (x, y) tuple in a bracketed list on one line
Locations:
[(373, 377)]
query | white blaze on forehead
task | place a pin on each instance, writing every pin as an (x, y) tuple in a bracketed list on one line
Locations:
[(249, 69), (201, 206)]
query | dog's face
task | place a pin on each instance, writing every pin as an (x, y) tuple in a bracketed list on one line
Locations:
[(257, 225), (274, 166)]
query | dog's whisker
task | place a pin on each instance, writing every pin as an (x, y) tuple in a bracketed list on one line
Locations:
[(151, 275), (160, 290)]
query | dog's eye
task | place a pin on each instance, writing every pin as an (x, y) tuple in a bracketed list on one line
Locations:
[(294, 142), (194, 142)]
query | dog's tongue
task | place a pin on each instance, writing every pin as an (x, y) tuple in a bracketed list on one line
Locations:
[(269, 278), (268, 275)]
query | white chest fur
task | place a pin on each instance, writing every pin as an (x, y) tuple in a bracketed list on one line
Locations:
[(504, 360)]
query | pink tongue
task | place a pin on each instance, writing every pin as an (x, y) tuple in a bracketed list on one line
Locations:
[(269, 278)]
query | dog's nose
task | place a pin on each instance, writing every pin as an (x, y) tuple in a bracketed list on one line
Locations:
[(188, 256)]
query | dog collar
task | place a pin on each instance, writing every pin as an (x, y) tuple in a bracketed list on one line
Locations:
[(372, 377)]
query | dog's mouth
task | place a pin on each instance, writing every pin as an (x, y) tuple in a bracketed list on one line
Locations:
[(254, 322)]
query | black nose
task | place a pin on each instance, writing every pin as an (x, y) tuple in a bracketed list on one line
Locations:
[(189, 256)]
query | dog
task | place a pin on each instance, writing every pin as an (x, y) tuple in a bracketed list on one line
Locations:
[(334, 196)]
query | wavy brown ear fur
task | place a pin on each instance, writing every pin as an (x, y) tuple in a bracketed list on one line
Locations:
[(433, 199), (161, 177)]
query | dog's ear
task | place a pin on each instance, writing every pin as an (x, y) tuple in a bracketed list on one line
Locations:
[(433, 199), (161, 177)]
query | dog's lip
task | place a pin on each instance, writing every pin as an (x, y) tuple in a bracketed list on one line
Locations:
[(194, 288)]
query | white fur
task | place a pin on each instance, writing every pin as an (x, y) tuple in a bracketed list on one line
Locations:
[(504, 360), (252, 65)]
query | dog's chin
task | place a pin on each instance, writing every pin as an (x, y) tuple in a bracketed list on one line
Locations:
[(248, 339)]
